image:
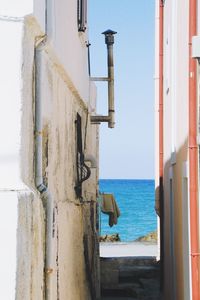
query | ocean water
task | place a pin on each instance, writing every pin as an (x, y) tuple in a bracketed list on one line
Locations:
[(135, 199)]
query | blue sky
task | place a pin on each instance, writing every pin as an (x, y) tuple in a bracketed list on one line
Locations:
[(128, 150)]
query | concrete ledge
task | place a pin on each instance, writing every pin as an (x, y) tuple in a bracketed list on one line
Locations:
[(132, 249)]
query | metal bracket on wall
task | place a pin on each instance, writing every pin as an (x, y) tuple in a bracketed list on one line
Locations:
[(83, 171)]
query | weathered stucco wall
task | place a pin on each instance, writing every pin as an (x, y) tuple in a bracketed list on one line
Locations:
[(74, 235), (30, 247)]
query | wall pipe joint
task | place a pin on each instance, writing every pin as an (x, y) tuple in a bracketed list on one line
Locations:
[(110, 118)]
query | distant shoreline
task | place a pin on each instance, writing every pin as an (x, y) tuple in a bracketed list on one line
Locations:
[(136, 200), (145, 179), (151, 237)]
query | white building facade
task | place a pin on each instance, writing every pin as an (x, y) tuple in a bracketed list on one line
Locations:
[(49, 148), (177, 149)]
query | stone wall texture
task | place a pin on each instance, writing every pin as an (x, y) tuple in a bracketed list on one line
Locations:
[(75, 274)]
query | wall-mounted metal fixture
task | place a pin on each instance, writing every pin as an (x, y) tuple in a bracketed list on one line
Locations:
[(92, 160), (83, 171), (82, 15), (109, 41), (88, 47)]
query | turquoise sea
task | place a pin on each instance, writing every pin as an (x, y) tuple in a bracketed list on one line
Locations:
[(135, 199)]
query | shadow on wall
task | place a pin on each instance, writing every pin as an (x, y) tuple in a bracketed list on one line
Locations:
[(175, 214)]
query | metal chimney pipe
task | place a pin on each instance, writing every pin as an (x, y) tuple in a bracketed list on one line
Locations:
[(109, 41)]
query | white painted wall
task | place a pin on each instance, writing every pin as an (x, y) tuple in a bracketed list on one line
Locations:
[(17, 247), (10, 183), (8, 226), (10, 112), (69, 44), (176, 24), (14, 8)]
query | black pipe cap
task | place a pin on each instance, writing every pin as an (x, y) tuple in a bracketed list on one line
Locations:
[(109, 36), (109, 32)]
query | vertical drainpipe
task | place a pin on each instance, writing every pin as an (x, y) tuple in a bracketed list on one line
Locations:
[(161, 145), (193, 154), (39, 182)]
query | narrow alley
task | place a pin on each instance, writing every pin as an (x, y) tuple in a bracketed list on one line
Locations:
[(130, 278), (62, 170)]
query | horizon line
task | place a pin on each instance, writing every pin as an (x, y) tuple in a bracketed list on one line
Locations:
[(126, 178)]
